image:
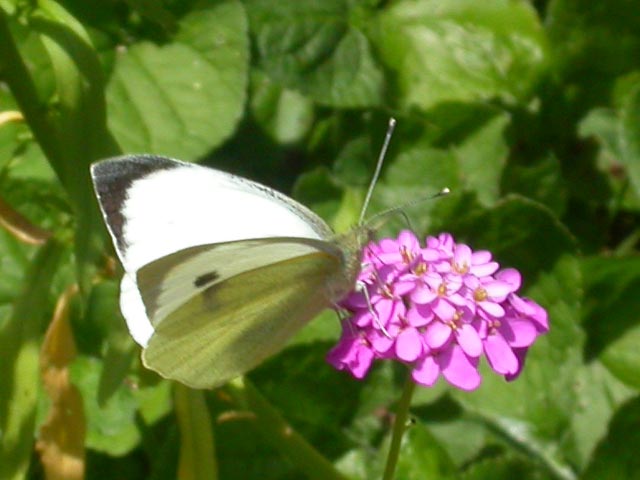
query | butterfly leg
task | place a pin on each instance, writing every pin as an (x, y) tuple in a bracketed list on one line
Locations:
[(362, 287)]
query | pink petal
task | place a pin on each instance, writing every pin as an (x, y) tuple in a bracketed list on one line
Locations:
[(454, 282), (510, 276), (402, 287), (362, 318), (458, 370), (471, 282), (388, 245), (443, 309), (361, 364), (385, 309), (469, 340), (462, 255), (419, 317), (519, 332), (423, 294), (485, 269), (430, 254), (380, 342), (408, 345), (500, 356), (388, 258), (433, 280), (409, 240), (457, 300), (540, 317), (498, 290), (480, 257), (521, 355), (437, 334), (521, 306), (493, 309), (426, 371)]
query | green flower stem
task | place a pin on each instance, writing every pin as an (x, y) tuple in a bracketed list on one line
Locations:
[(399, 427), (272, 426)]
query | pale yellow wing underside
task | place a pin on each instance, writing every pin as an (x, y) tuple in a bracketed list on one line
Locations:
[(232, 326)]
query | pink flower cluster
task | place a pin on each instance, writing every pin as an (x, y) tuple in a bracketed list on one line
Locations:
[(437, 309)]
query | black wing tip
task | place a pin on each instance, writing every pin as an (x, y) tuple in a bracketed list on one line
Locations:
[(131, 167), (113, 177)]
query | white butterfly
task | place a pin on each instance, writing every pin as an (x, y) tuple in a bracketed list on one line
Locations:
[(220, 271)]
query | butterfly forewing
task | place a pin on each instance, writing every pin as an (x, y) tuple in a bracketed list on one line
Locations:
[(155, 206), (230, 327)]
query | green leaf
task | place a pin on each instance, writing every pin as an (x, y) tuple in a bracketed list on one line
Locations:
[(616, 456), (630, 135), (78, 119), (501, 468), (421, 456), (460, 50), (20, 339), (612, 313), (318, 48), (482, 156), (110, 428), (598, 396), (286, 115), (539, 178), (186, 97), (593, 43)]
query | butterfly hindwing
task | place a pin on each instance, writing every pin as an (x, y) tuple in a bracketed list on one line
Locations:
[(231, 326), (165, 284)]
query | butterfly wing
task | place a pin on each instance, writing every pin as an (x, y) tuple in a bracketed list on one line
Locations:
[(230, 326), (154, 206)]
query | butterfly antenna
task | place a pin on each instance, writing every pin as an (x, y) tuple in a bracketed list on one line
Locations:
[(376, 174), (378, 218)]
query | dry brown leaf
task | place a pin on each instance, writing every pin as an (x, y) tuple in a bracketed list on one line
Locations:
[(20, 227), (61, 440), (10, 116)]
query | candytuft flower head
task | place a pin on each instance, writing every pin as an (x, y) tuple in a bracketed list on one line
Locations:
[(438, 308)]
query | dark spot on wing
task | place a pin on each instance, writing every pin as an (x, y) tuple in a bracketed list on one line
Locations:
[(113, 177), (206, 279)]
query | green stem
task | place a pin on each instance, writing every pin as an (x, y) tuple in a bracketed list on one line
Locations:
[(273, 428), (399, 427), (15, 73)]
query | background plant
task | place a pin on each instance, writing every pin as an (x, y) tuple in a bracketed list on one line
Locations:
[(528, 111)]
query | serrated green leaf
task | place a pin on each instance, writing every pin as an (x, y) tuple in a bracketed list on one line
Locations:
[(458, 50), (318, 48), (184, 98)]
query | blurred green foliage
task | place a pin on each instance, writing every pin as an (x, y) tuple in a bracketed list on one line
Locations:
[(528, 111)]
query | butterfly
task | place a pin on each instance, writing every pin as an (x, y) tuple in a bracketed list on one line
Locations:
[(219, 271)]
